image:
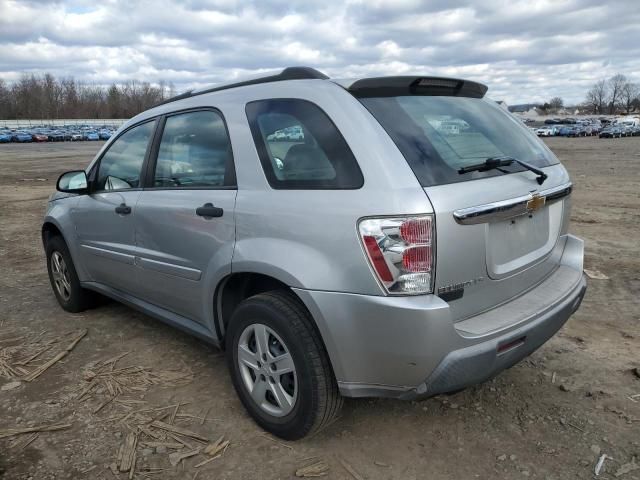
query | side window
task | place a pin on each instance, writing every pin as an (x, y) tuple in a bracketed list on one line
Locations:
[(194, 152), (300, 147), (120, 167)]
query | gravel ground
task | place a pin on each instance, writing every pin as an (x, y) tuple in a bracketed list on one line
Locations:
[(550, 417)]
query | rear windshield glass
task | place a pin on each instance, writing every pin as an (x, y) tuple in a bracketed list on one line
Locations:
[(438, 135)]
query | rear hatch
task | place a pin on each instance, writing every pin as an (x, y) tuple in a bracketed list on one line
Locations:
[(497, 223)]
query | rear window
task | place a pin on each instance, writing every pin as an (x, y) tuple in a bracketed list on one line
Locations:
[(438, 135), (300, 147)]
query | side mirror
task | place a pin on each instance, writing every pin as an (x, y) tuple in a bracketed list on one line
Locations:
[(73, 182)]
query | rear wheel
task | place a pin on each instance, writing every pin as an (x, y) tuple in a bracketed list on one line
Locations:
[(279, 366), (64, 279)]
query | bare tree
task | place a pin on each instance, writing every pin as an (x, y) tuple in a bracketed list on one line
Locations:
[(556, 103), (630, 92), (616, 85), (597, 96), (6, 106), (45, 97)]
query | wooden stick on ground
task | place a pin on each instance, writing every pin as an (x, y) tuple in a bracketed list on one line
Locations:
[(41, 428), (128, 452), (42, 368), (350, 469), (180, 431), (29, 440)]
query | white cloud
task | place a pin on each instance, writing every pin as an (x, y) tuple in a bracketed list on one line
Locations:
[(524, 50)]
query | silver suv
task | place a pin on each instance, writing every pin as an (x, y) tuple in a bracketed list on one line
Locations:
[(338, 238)]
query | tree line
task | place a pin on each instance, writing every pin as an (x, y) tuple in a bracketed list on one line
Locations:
[(45, 97), (613, 95)]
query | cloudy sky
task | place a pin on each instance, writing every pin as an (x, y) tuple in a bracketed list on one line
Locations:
[(525, 50)]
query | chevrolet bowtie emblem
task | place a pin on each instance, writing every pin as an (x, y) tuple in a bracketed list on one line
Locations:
[(536, 202)]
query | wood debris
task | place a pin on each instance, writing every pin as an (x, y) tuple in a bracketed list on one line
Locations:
[(351, 470), (180, 431), (18, 354), (204, 418), (318, 469), (30, 439), (215, 450), (172, 445), (127, 452), (44, 367), (103, 378), (596, 274), (40, 428), (176, 457), (600, 464)]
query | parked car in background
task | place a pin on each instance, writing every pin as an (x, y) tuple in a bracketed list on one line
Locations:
[(22, 137), (40, 137), (596, 128), (565, 131), (58, 136), (105, 134), (76, 136), (91, 135), (5, 137), (627, 130), (547, 131), (314, 261), (611, 132)]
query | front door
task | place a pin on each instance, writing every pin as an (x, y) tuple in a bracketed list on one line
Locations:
[(185, 227), (105, 218)]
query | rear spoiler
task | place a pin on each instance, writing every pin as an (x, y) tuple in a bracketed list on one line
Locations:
[(412, 85)]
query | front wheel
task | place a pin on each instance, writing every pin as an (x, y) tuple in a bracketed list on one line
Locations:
[(64, 279), (279, 366)]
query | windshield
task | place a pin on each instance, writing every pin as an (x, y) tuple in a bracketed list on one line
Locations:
[(439, 135)]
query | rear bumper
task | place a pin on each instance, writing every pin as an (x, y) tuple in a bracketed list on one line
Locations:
[(408, 347), (477, 363)]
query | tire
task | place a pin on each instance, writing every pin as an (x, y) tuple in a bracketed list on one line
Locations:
[(311, 389), (66, 285)]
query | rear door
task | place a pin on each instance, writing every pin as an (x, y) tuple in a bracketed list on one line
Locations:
[(185, 227), (498, 230), (105, 218), (497, 238)]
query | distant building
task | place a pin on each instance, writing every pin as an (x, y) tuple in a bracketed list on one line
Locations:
[(524, 107)]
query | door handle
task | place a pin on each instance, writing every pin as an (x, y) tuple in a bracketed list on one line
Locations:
[(209, 211), (123, 209)]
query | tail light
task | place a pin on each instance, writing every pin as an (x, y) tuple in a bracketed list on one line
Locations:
[(401, 252)]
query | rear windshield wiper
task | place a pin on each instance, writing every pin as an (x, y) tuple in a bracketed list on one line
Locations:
[(494, 163)]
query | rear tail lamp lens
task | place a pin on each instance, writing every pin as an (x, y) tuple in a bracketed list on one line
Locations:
[(416, 230), (417, 259), (401, 252)]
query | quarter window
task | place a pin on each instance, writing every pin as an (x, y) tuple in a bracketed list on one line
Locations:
[(121, 165), (300, 147), (194, 152)]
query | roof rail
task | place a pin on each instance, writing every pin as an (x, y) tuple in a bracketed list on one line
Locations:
[(289, 73)]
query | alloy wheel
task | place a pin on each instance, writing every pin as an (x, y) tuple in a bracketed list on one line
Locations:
[(267, 370), (60, 274)]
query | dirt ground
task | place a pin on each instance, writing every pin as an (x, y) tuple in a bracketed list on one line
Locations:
[(550, 417)]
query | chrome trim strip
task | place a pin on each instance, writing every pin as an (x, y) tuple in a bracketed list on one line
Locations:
[(110, 254), (169, 268), (506, 209)]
